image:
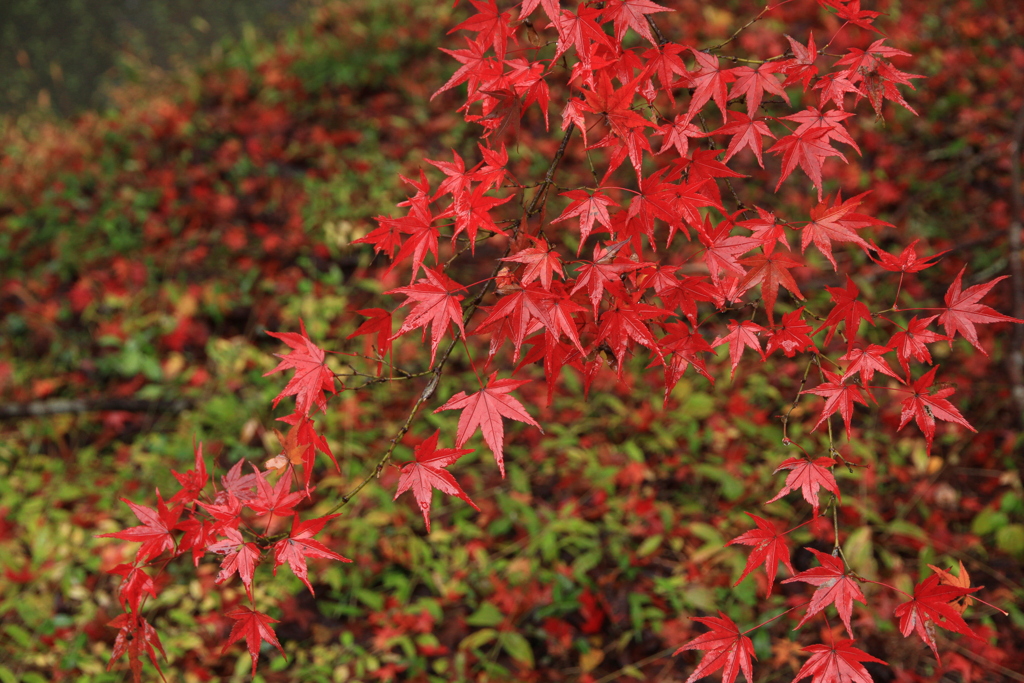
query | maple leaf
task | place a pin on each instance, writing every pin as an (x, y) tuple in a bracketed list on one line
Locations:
[(727, 649), (752, 84), (484, 409), (924, 408), (134, 583), (839, 396), (801, 68), (741, 335), (907, 262), (770, 270), (963, 310), (476, 68), (588, 208), (961, 580), (684, 347), (831, 121), (427, 472), (437, 304), (277, 500), (770, 548), (519, 310), (678, 133), (746, 132), (600, 274), (912, 340), (239, 556), (930, 607), (312, 376), (255, 627), (837, 223), (806, 150), (710, 81), (839, 662), (867, 362), (380, 323), (193, 481), (848, 309), (580, 30), (791, 336), (834, 586), (722, 248), (632, 14), (472, 212), (490, 25), (625, 322), (541, 261), (875, 75), (808, 476), (300, 544), (155, 532), (135, 637)]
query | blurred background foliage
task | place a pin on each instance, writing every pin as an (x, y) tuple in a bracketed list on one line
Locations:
[(207, 190)]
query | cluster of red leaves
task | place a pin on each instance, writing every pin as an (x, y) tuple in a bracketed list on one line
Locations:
[(237, 522), (594, 315)]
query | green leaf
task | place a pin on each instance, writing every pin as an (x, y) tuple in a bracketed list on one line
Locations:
[(517, 647), (487, 615)]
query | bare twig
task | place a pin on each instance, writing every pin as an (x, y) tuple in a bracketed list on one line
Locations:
[(1016, 356), (90, 405)]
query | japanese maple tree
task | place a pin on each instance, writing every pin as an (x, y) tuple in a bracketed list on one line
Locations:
[(653, 248)]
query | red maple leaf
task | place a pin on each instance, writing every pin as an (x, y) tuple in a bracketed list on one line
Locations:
[(770, 548), (839, 662), (192, 481), (710, 81), (300, 544), (541, 261), (135, 637), (801, 67), (848, 309), (867, 362), (632, 14), (907, 262), (255, 627), (625, 322), (834, 586), (839, 396), (580, 30), (808, 476), (678, 133), (741, 335), (427, 473), (837, 223), (437, 304), (155, 532), (806, 150), (312, 376), (278, 500), (930, 607), (239, 556), (588, 208), (484, 409), (746, 132), (380, 323), (752, 83), (490, 25), (791, 336), (770, 270), (911, 342), (727, 649), (924, 407), (963, 310)]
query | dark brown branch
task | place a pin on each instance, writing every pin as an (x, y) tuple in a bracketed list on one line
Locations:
[(91, 405), (1016, 356)]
